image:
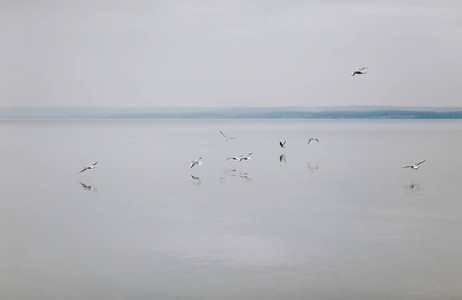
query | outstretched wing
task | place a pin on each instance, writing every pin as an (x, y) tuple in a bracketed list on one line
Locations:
[(84, 169), (408, 166), (420, 162)]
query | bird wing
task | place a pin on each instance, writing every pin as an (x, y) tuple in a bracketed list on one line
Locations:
[(223, 134), (407, 166), (95, 163), (84, 169), (232, 157), (249, 154), (420, 162)]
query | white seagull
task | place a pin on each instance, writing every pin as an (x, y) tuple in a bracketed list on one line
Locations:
[(283, 145), (360, 71), (88, 167), (312, 139), (196, 162), (414, 166), (227, 138), (241, 157)]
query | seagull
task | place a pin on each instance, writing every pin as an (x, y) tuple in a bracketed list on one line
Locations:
[(414, 166), (88, 167), (196, 162), (282, 144), (227, 138), (312, 139), (241, 157), (360, 71)]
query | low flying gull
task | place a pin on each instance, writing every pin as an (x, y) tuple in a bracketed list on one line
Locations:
[(282, 144), (312, 139), (196, 162), (241, 157), (88, 167), (227, 138), (414, 166), (360, 71)]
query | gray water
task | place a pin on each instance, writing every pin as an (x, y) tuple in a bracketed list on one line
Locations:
[(338, 219)]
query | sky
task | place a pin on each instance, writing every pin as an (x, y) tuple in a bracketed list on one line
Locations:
[(227, 53)]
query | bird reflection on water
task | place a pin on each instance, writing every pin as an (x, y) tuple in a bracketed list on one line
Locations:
[(196, 180), (314, 168), (88, 187), (282, 159), (413, 188), (236, 173)]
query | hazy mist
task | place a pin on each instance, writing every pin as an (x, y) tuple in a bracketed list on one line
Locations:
[(230, 53)]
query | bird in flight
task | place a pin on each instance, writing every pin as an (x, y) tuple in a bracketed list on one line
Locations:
[(241, 157), (359, 71), (282, 144), (196, 162), (414, 166), (227, 138), (88, 167), (312, 139)]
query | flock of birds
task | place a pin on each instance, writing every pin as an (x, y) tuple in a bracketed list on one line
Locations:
[(282, 144), (239, 158)]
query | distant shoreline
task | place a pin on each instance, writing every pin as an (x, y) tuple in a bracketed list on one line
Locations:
[(360, 112)]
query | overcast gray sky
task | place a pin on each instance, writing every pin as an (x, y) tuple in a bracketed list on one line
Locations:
[(230, 53)]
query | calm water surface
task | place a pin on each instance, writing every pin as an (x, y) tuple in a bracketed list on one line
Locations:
[(337, 219)]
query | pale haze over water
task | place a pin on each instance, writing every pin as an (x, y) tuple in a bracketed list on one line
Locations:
[(338, 219)]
